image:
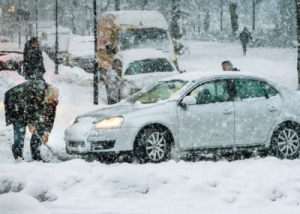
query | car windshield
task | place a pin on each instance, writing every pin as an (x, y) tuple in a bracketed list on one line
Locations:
[(143, 38), (149, 66), (160, 91)]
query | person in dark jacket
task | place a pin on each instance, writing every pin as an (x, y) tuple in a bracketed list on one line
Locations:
[(227, 66), (33, 68), (245, 37), (31, 104)]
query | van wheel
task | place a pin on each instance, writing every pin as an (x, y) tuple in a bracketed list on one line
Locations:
[(285, 143), (153, 146)]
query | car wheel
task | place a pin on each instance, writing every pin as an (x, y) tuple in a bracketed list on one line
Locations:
[(285, 142), (153, 145)]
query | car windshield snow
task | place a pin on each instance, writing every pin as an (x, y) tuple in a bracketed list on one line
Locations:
[(160, 91), (143, 38)]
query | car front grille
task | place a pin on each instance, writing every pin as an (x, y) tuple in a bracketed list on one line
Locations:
[(76, 143), (100, 145)]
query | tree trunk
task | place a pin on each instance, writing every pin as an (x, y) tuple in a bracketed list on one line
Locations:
[(253, 14), (221, 16), (144, 4), (176, 13), (117, 5), (206, 22), (234, 18)]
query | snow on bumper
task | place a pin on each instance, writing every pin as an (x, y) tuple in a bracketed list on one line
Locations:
[(99, 140)]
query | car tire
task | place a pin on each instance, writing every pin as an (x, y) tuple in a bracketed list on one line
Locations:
[(285, 142), (153, 145)]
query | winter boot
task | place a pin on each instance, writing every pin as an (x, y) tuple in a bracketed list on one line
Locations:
[(17, 153)]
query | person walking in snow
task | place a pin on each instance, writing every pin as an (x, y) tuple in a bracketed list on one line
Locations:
[(245, 37), (31, 104), (227, 66), (33, 68)]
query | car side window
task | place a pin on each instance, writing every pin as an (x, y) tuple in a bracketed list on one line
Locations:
[(134, 68), (247, 89), (222, 94), (211, 92), (162, 65), (270, 91)]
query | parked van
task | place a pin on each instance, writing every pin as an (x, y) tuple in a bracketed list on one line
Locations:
[(124, 30)]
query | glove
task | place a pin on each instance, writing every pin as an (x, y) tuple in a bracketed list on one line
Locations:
[(31, 128), (45, 138)]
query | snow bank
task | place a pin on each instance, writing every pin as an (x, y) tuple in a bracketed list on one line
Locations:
[(13, 203)]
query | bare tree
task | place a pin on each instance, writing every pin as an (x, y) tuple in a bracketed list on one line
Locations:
[(144, 4), (176, 13), (117, 5), (254, 3), (234, 18), (206, 21), (221, 16)]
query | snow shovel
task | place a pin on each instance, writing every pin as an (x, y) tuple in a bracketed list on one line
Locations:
[(55, 156)]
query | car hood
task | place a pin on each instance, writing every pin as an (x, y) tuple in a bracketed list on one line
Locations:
[(120, 109)]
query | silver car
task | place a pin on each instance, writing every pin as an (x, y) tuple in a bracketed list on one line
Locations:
[(195, 111)]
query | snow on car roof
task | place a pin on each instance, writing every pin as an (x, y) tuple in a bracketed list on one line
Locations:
[(79, 39), (142, 19), (81, 46), (140, 54), (11, 57), (10, 46)]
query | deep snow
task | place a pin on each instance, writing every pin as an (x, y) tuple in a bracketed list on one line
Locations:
[(256, 185)]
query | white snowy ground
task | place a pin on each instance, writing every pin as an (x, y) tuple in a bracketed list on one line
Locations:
[(256, 185)]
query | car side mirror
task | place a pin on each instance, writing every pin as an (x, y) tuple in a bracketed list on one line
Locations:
[(188, 100), (110, 50)]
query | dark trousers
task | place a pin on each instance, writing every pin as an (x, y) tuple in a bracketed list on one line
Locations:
[(244, 48), (18, 145), (19, 134)]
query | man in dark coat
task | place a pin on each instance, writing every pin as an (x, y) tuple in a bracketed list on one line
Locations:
[(29, 104), (245, 37), (34, 68)]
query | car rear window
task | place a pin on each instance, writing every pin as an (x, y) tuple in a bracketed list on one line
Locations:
[(149, 66)]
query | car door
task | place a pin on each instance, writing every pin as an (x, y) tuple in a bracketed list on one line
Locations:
[(257, 106), (209, 122)]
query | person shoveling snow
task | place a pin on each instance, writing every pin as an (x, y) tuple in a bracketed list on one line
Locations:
[(32, 104)]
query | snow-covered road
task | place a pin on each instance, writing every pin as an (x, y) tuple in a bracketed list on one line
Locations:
[(256, 185)]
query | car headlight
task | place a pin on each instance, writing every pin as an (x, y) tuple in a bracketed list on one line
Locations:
[(110, 123)]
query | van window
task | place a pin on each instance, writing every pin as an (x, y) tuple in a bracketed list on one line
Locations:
[(143, 38), (149, 66)]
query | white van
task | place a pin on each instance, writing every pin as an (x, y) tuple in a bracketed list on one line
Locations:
[(124, 30)]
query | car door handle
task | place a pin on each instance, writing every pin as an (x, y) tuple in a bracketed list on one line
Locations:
[(272, 108), (227, 111)]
